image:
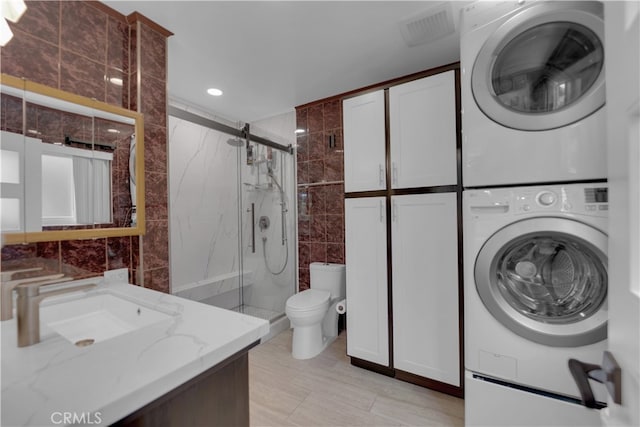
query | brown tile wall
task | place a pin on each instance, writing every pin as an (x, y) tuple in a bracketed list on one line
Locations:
[(321, 206), (73, 45), (150, 98)]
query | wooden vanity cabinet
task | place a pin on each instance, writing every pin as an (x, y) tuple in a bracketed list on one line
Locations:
[(216, 397)]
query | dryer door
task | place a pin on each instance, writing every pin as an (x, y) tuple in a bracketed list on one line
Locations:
[(543, 68), (546, 280)]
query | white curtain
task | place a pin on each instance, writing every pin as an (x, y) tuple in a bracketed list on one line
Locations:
[(82, 178), (92, 181), (101, 191)]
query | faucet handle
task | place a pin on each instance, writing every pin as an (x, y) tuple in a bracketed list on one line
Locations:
[(32, 289), (48, 278), (8, 274)]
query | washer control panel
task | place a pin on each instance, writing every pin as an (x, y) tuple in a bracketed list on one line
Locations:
[(578, 199), (592, 200)]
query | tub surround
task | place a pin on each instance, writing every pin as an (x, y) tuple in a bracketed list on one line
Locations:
[(111, 379)]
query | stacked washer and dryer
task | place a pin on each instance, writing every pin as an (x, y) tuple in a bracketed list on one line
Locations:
[(534, 208)]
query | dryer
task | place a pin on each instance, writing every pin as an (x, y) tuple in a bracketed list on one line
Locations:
[(533, 92), (535, 285)]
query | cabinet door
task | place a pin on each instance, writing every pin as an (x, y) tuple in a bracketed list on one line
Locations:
[(366, 260), (425, 286), (422, 124), (364, 142)]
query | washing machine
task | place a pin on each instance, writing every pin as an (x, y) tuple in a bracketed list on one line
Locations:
[(535, 292), (533, 92)]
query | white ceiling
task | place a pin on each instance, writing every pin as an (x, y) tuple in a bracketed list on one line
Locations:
[(271, 56)]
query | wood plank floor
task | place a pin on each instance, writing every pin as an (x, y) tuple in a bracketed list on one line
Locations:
[(328, 391)]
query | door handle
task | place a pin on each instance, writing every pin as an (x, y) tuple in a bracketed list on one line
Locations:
[(608, 374), (253, 227), (381, 175)]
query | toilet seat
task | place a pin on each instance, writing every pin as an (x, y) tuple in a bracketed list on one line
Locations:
[(308, 300)]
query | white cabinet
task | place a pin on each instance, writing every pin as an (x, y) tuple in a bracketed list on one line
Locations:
[(364, 142), (366, 261), (422, 126), (424, 232), (408, 135)]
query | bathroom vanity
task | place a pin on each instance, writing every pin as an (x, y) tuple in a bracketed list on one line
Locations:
[(147, 358)]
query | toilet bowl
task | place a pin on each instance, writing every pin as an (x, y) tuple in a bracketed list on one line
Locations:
[(312, 312)]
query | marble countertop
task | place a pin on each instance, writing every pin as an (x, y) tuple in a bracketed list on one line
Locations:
[(108, 380)]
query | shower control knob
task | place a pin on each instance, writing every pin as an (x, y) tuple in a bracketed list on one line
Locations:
[(547, 198)]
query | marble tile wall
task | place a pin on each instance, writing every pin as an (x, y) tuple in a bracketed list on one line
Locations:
[(320, 187), (203, 209), (78, 47)]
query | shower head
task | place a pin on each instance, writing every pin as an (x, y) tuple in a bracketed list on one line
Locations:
[(235, 142)]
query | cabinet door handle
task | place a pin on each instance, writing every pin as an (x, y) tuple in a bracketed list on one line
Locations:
[(394, 211), (381, 211), (381, 175), (394, 173)]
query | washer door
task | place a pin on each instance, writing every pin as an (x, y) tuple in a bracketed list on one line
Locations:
[(544, 67), (546, 280)]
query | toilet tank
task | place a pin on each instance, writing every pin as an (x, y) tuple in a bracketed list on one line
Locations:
[(328, 277)]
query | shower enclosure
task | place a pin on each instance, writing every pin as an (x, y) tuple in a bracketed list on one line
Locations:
[(232, 213)]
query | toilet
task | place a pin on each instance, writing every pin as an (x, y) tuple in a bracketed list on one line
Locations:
[(312, 312)]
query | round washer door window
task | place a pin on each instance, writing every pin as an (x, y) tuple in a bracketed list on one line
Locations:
[(543, 68), (546, 280)]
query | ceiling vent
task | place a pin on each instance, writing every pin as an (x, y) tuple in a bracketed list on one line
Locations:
[(432, 24)]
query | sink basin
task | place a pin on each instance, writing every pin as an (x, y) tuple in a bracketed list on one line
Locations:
[(99, 316)]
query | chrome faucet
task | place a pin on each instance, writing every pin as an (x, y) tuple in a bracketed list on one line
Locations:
[(7, 287), (28, 302)]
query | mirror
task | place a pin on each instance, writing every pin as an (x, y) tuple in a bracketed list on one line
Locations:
[(71, 167)]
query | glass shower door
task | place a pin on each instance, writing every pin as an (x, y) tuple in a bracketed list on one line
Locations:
[(206, 262), (268, 232), (232, 222)]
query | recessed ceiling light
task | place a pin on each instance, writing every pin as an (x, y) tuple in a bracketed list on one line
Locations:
[(214, 92), (111, 130), (299, 131)]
